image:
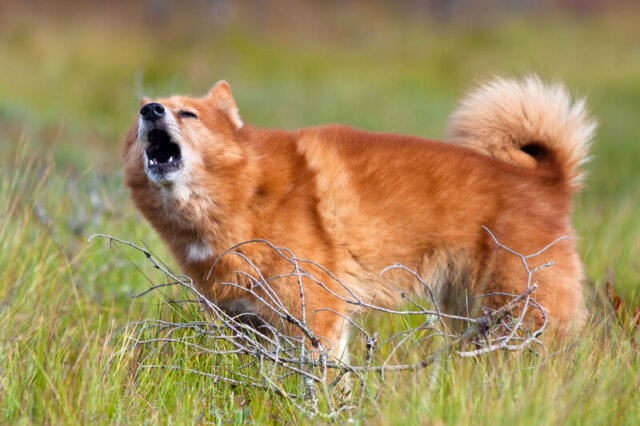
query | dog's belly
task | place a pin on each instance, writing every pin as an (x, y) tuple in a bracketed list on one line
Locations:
[(386, 282)]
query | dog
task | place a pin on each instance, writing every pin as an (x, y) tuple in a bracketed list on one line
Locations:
[(356, 202)]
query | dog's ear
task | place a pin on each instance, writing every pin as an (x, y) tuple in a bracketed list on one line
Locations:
[(220, 95)]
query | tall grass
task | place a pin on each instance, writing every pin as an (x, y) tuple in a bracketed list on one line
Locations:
[(69, 95)]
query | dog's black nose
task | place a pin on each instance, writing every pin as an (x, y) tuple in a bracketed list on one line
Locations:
[(152, 111)]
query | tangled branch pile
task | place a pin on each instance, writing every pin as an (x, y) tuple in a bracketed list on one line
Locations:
[(245, 352)]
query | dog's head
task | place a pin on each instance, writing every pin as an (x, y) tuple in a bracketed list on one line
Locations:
[(178, 141)]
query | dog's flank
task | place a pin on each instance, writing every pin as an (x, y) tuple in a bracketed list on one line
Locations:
[(356, 201)]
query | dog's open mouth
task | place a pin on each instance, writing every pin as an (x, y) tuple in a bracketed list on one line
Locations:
[(163, 155)]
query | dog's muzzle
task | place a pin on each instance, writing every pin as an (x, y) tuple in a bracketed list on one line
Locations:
[(163, 155)]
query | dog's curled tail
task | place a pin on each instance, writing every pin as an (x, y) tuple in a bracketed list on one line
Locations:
[(525, 123)]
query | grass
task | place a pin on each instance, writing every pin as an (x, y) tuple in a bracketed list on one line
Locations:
[(69, 95)]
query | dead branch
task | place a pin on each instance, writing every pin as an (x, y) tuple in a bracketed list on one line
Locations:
[(229, 351)]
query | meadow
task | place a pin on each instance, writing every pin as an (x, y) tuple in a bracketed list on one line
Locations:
[(70, 88)]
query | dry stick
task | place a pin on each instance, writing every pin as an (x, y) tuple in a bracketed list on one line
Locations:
[(277, 355), (355, 301), (526, 267), (485, 322)]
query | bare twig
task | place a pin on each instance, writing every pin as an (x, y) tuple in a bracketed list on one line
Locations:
[(266, 357)]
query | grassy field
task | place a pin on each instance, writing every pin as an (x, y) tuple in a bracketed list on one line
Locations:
[(68, 92)]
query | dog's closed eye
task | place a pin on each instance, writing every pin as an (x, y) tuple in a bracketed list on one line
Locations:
[(187, 114)]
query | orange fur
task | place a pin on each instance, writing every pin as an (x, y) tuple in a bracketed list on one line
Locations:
[(356, 202)]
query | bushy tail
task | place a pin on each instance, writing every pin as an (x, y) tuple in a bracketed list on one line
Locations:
[(525, 122)]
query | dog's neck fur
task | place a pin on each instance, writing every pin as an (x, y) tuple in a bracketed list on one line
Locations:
[(260, 183)]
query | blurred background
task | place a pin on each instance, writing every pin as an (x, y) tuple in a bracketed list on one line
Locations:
[(72, 74)]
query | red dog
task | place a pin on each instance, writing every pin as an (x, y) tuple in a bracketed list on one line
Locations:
[(356, 201)]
